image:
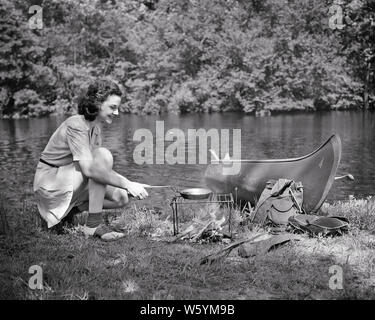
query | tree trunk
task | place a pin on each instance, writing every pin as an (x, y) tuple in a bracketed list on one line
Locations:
[(367, 81)]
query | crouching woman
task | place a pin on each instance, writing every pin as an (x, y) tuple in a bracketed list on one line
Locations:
[(75, 173)]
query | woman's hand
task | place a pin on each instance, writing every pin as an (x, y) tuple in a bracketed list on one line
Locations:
[(137, 190)]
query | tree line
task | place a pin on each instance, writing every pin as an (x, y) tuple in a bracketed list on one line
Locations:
[(189, 55)]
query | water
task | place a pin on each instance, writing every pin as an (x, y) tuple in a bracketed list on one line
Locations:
[(280, 136)]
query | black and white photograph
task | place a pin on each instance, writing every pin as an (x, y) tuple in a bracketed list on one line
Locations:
[(187, 155)]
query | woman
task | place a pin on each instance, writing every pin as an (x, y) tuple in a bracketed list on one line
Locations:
[(75, 173)]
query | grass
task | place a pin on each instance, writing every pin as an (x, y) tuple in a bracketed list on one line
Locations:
[(146, 265)]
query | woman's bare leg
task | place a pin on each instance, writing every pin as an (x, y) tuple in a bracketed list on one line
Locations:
[(98, 196), (115, 198), (107, 203), (102, 158), (103, 196)]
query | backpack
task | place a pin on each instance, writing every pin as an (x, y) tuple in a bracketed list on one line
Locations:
[(279, 200)]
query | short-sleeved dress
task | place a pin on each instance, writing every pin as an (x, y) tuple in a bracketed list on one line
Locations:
[(72, 141)]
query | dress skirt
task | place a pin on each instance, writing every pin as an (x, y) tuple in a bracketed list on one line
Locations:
[(53, 188)]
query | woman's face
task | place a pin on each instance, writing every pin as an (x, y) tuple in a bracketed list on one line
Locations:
[(109, 108)]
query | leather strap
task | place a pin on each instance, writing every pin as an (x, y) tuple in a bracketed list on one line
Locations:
[(47, 163)]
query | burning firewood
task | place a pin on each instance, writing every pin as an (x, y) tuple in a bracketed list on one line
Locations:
[(207, 226)]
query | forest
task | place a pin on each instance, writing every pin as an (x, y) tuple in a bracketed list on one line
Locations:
[(188, 55)]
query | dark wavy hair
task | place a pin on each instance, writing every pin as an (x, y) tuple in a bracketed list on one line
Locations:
[(97, 92)]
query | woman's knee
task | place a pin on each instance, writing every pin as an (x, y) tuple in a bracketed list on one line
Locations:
[(120, 196), (103, 156)]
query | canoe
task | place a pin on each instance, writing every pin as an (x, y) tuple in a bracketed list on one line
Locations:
[(316, 171)]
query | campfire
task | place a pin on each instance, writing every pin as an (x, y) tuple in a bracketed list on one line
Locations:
[(209, 225)]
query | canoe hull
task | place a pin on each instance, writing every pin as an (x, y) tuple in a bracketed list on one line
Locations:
[(316, 171)]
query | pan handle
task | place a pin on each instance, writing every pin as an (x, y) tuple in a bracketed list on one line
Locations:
[(158, 186), (174, 188)]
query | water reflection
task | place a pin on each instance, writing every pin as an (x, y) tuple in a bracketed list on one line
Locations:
[(281, 136)]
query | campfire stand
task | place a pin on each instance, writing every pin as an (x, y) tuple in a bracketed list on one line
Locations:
[(222, 198)]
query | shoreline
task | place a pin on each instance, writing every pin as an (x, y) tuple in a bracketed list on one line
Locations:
[(262, 113)]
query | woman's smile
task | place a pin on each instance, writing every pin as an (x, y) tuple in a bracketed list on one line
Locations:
[(109, 108), (110, 118)]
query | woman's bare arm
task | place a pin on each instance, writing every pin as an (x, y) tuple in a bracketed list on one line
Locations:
[(112, 178)]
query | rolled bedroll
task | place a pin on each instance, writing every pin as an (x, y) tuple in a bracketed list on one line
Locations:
[(316, 171)]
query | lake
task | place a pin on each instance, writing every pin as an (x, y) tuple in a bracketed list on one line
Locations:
[(278, 136)]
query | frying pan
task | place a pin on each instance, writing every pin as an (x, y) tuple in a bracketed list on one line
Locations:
[(189, 193)]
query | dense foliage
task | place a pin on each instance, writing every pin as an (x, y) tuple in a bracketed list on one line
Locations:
[(188, 55)]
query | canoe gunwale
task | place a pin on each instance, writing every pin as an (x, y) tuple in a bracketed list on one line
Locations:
[(334, 136)]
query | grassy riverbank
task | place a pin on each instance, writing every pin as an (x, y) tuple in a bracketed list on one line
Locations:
[(146, 265)]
